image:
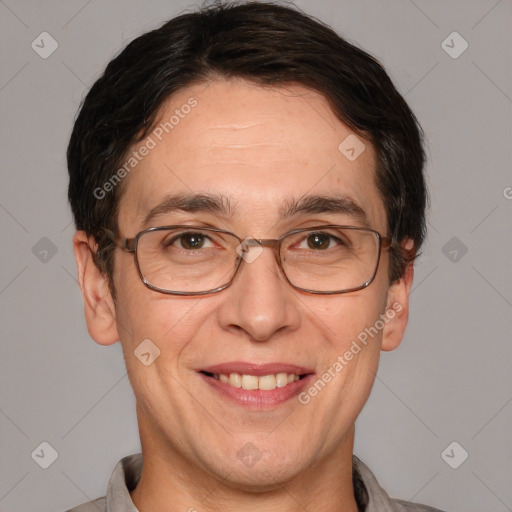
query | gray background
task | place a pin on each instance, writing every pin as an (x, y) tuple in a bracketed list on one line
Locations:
[(449, 381)]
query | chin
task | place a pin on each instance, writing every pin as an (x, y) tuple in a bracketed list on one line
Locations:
[(255, 471)]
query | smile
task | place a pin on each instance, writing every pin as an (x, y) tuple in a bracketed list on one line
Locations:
[(257, 387)]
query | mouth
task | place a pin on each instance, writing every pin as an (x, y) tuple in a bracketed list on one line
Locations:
[(256, 387)]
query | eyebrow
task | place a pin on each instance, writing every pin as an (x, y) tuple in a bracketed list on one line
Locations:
[(218, 204), (337, 204), (221, 205)]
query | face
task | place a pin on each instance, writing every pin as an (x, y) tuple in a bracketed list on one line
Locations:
[(259, 149)]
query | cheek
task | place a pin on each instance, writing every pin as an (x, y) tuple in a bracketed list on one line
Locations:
[(154, 341), (170, 323), (348, 315), (352, 327), (141, 312)]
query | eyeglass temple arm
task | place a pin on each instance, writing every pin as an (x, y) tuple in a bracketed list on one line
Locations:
[(126, 244)]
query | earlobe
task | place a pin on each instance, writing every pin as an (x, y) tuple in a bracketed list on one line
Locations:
[(397, 310), (99, 305)]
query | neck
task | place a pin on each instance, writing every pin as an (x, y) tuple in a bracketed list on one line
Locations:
[(173, 481)]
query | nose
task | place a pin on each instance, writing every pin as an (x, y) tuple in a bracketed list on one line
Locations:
[(259, 302)]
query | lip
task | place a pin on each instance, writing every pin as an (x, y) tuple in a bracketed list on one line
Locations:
[(257, 399), (246, 368)]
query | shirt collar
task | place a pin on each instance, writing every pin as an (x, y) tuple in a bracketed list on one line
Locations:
[(124, 479)]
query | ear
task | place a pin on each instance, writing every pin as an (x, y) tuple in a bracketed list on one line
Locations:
[(100, 313), (397, 307)]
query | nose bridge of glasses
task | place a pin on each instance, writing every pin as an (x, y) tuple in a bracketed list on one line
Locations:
[(259, 243), (251, 248)]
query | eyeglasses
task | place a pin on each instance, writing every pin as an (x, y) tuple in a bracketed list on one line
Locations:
[(192, 260)]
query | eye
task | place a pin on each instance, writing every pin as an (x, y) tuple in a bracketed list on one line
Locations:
[(320, 241), (189, 240)]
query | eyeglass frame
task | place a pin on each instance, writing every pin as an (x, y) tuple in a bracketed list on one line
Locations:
[(130, 245)]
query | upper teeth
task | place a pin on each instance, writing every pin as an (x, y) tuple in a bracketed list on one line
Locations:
[(265, 382)]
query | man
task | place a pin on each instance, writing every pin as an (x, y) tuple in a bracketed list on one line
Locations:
[(249, 199)]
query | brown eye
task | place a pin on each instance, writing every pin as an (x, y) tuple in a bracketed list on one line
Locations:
[(189, 240), (192, 240), (318, 241)]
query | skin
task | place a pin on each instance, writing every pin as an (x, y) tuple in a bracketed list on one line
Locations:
[(256, 146)]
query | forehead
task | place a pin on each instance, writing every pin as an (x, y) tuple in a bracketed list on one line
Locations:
[(258, 147)]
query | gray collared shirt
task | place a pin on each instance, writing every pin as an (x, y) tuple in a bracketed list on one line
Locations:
[(127, 473)]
